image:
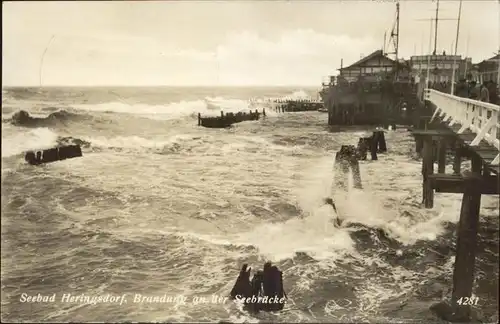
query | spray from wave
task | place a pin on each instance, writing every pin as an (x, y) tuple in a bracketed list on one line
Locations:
[(25, 140), (209, 106)]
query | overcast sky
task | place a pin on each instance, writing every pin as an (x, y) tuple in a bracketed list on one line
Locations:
[(222, 42)]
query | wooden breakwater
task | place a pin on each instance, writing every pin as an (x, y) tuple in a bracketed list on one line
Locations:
[(53, 154), (348, 157), (297, 105), (226, 120)]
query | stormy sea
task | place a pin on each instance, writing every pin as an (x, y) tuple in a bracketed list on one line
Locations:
[(160, 206)]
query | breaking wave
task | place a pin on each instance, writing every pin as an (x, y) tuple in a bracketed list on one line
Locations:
[(35, 139), (23, 118), (158, 204), (209, 106)]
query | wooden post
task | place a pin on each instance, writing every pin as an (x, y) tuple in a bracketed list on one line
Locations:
[(427, 169), (457, 159), (382, 146), (373, 147), (356, 174), (441, 155), (375, 136), (486, 171), (419, 144), (199, 119), (463, 272), (363, 145), (342, 170)]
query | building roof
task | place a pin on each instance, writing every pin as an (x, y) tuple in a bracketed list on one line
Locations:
[(377, 53), (494, 58)]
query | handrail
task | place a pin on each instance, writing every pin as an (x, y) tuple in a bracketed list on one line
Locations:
[(480, 117)]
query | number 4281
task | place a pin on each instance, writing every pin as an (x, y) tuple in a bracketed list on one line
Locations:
[(468, 301)]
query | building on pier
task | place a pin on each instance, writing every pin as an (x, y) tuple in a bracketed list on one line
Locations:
[(369, 91), (486, 70), (440, 67), (374, 67)]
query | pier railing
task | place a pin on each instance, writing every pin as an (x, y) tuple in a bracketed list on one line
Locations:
[(481, 118)]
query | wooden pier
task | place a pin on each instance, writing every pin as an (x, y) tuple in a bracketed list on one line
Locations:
[(297, 105), (468, 129), (226, 120)]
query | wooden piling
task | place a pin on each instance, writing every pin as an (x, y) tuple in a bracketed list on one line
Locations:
[(441, 155), (463, 272), (457, 158), (363, 146), (419, 145), (382, 146), (199, 119), (356, 174), (427, 169), (373, 147), (342, 170)]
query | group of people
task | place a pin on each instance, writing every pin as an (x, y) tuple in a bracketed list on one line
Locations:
[(486, 91)]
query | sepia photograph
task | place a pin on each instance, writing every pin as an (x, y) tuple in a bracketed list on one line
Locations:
[(250, 161)]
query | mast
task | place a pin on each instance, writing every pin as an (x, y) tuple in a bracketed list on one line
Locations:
[(397, 31), (395, 40), (436, 28), (456, 49), (466, 53), (429, 58), (498, 69), (385, 40)]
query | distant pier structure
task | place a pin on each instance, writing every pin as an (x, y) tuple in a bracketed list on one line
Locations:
[(284, 104), (226, 120), (297, 105), (468, 129)]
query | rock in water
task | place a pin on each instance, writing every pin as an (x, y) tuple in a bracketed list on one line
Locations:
[(21, 118), (242, 287), (264, 292)]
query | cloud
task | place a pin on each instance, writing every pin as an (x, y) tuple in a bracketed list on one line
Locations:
[(298, 57)]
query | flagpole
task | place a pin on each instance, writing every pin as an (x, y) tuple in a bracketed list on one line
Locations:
[(456, 49), (429, 58)]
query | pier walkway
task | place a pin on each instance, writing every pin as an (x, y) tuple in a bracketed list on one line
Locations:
[(476, 123)]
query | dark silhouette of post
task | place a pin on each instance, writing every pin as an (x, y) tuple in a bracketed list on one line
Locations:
[(427, 169), (463, 273)]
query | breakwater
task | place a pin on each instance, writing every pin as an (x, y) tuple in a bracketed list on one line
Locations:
[(297, 105), (226, 120)]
